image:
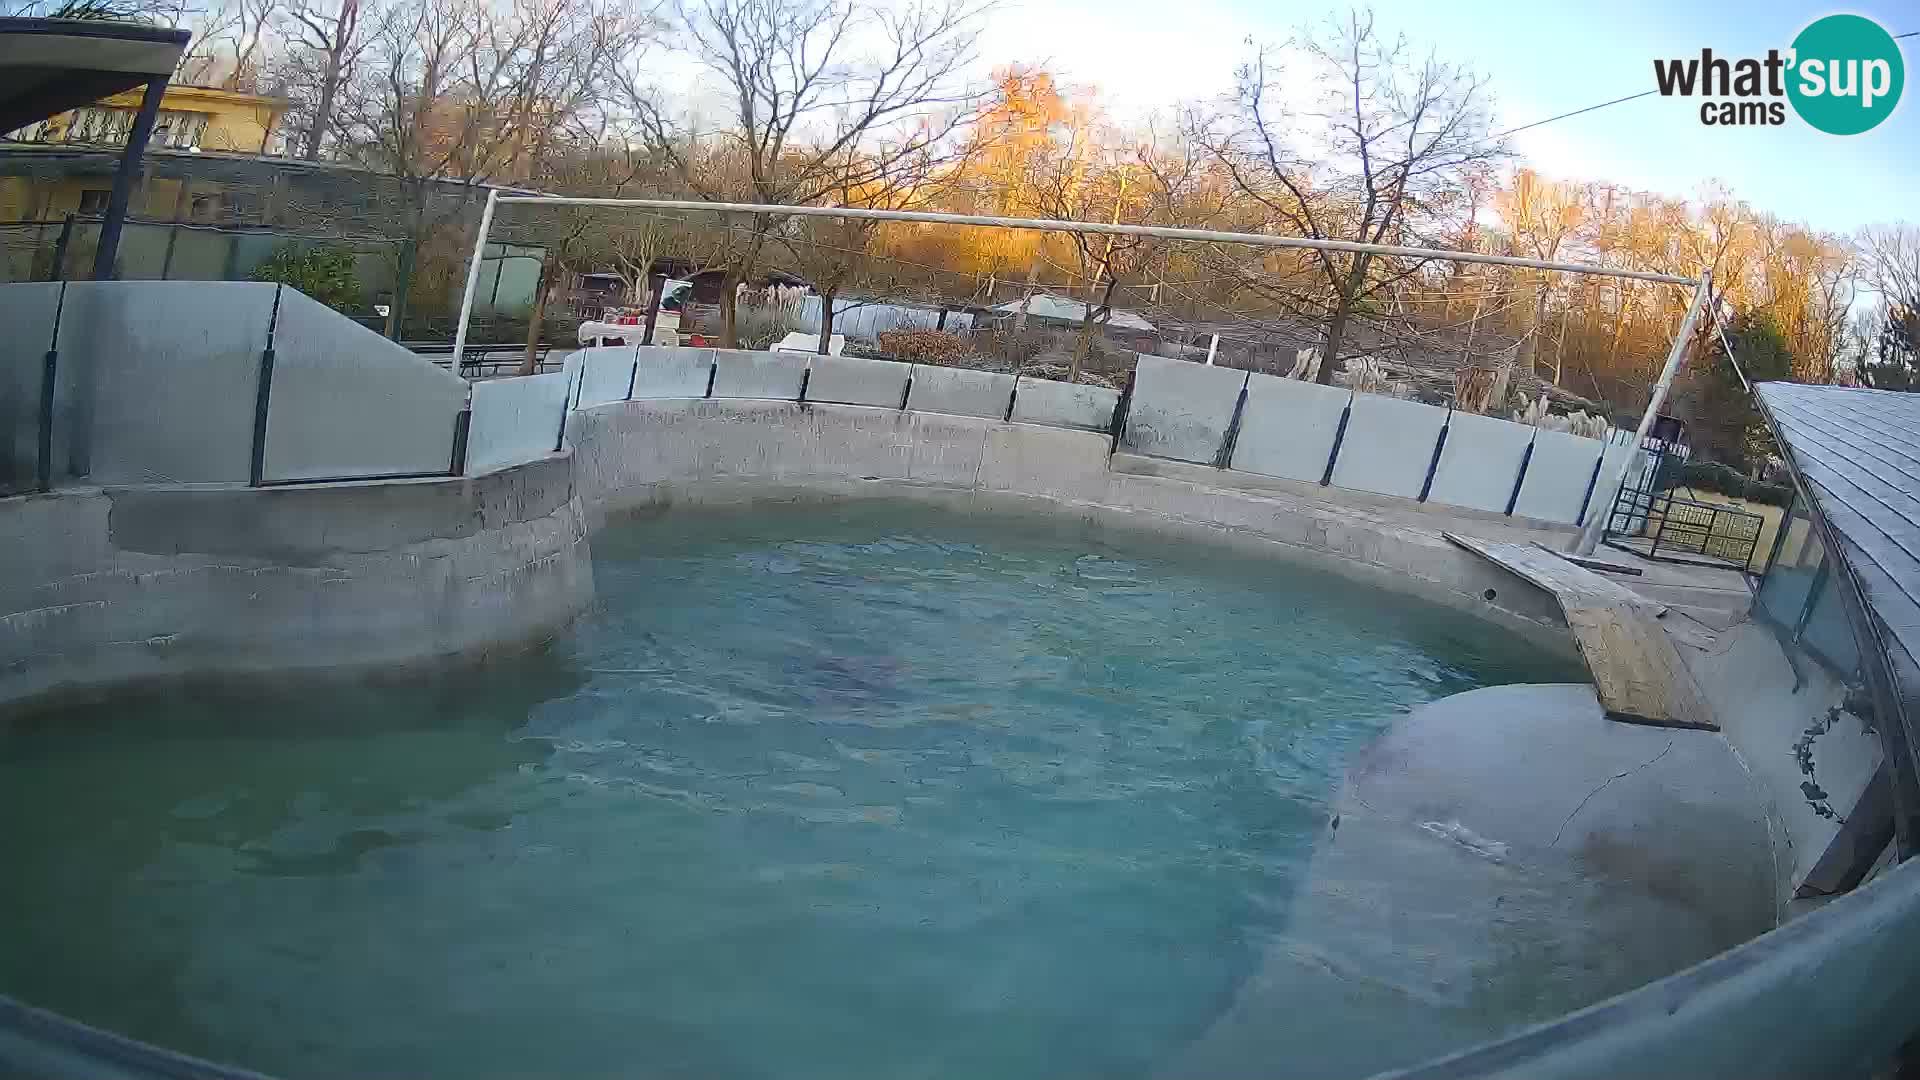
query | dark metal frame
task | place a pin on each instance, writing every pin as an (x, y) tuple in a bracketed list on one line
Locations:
[(1726, 538)]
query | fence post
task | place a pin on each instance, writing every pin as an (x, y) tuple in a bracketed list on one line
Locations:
[(1526, 458), (43, 463), (1225, 457), (107, 250), (1339, 436), (1120, 408), (60, 250), (1586, 501), (462, 423), (166, 261), (1433, 463), (263, 399)]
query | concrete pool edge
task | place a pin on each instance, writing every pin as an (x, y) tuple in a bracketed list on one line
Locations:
[(642, 455), (121, 585)]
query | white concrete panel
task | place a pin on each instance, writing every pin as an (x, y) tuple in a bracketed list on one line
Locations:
[(1181, 409), (740, 373), (1480, 463), (1557, 477), (1288, 427), (347, 402), (1061, 404), (160, 376), (672, 373), (960, 391), (515, 420), (26, 311), (853, 380), (1388, 445), (1049, 462), (605, 374), (1636, 473)]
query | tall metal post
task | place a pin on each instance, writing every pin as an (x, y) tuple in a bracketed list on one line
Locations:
[(473, 276), (1609, 488), (109, 248)]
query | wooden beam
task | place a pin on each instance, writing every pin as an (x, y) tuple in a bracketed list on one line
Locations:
[(1637, 671)]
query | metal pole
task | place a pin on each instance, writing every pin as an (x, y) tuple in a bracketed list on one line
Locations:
[(473, 276), (104, 254), (1589, 538), (1213, 346), (60, 250), (1062, 225)]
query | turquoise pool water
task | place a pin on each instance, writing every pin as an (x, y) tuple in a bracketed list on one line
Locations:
[(865, 791)]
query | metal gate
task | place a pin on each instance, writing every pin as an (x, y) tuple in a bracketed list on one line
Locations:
[(1657, 524)]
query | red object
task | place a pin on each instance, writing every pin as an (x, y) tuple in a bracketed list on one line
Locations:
[(698, 341)]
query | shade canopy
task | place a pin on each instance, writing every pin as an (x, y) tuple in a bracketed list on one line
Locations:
[(48, 66)]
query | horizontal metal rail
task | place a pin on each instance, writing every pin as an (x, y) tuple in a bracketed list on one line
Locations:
[(1062, 225)]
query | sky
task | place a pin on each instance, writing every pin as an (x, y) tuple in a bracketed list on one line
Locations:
[(1542, 57)]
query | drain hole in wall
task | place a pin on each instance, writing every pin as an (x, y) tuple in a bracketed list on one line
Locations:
[(1488, 595)]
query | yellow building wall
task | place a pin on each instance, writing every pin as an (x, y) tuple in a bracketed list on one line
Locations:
[(236, 123)]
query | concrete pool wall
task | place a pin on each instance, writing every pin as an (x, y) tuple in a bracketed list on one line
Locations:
[(119, 583), (640, 455), (109, 585)]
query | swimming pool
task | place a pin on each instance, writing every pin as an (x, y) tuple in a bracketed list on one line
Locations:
[(820, 791)]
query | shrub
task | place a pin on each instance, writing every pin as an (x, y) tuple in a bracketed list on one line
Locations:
[(927, 346), (324, 273), (761, 325)]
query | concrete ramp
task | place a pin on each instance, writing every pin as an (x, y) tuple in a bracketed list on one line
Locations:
[(1636, 670)]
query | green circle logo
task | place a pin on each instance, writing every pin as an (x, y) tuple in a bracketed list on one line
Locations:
[(1847, 74)]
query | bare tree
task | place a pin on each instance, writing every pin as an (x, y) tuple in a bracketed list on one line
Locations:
[(1390, 136), (1890, 329), (1891, 258), (229, 45), (823, 96), (324, 40), (473, 91), (168, 13), (836, 256)]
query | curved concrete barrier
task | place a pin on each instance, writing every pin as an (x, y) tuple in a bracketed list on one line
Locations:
[(104, 586), (631, 455)]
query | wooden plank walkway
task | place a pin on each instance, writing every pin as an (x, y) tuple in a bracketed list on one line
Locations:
[(1637, 672)]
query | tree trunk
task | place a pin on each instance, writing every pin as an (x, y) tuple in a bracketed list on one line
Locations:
[(1337, 325), (403, 285), (1085, 348), (343, 31), (1533, 338), (729, 302), (1026, 296), (659, 285), (826, 322), (549, 277)]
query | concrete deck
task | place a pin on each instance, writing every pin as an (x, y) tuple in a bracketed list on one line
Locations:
[(1507, 845)]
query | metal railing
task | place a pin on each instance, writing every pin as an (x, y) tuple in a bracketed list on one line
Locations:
[(1661, 525)]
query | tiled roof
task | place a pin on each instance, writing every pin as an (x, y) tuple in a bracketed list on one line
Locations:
[(1858, 451)]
